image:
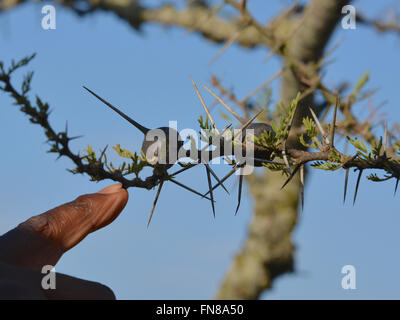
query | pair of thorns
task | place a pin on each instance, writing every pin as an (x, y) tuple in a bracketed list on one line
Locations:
[(162, 169)]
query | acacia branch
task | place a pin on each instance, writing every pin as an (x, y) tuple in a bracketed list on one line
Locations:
[(95, 167)]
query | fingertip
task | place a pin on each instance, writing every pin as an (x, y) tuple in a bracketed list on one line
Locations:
[(122, 197), (106, 205), (117, 190), (119, 193), (112, 189)]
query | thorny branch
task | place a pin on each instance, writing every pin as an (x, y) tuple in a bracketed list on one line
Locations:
[(270, 145)]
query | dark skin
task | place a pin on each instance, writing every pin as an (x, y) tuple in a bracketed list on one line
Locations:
[(43, 239)]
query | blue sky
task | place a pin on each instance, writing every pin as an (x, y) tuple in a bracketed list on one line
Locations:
[(185, 252)]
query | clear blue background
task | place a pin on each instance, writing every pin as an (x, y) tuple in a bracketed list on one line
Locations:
[(185, 253)]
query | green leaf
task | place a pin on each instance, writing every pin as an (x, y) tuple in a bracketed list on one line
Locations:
[(359, 145), (377, 147), (21, 63), (274, 167), (325, 165), (310, 127), (123, 152), (360, 84)]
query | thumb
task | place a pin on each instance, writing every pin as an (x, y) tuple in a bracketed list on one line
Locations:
[(42, 239)]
